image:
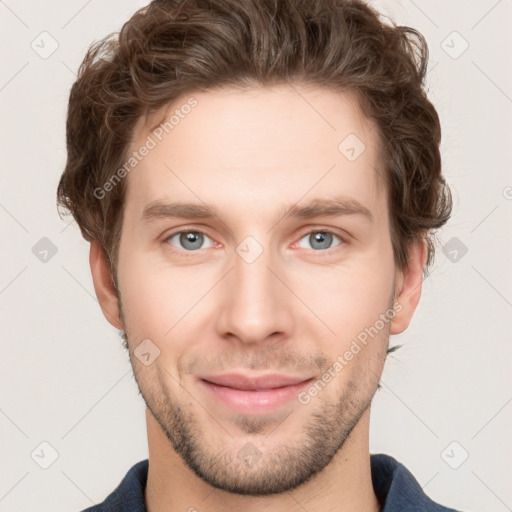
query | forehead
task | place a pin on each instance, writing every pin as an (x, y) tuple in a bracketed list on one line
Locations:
[(266, 145)]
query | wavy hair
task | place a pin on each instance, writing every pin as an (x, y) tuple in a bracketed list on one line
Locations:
[(173, 47)]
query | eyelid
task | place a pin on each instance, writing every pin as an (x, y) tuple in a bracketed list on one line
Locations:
[(186, 229), (344, 237), (315, 228)]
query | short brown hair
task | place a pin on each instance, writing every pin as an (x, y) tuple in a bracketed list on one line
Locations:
[(173, 47)]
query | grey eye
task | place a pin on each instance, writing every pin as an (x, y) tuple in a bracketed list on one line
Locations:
[(189, 240), (319, 240)]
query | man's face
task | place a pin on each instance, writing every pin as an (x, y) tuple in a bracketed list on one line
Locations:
[(254, 291)]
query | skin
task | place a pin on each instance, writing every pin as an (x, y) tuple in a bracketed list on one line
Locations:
[(251, 155)]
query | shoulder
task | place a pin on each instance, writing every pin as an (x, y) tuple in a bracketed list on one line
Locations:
[(129, 494), (397, 489)]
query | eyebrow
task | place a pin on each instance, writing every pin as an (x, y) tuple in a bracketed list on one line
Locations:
[(336, 207)]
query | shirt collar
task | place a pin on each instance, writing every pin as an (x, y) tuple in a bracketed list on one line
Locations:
[(395, 487)]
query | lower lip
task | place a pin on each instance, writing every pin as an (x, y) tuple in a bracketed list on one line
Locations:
[(254, 402)]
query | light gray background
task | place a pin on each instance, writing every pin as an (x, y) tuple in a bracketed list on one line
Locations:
[(65, 377)]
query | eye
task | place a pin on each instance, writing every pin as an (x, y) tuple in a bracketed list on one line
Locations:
[(189, 240), (319, 240)]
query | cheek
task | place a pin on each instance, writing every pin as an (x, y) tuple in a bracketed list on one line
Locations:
[(157, 298), (353, 304), (347, 298)]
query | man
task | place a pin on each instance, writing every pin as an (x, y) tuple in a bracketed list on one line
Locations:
[(260, 181)]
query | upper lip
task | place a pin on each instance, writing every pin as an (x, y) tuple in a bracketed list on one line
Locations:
[(246, 382)]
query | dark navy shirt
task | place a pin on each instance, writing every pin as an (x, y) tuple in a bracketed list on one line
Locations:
[(395, 487)]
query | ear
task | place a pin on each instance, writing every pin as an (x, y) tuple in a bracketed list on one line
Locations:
[(103, 286), (408, 287)]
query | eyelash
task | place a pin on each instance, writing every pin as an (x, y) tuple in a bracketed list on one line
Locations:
[(343, 240)]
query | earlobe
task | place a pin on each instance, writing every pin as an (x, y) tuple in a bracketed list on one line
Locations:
[(408, 287), (103, 286)]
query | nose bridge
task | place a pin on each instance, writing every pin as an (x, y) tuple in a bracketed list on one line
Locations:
[(254, 302)]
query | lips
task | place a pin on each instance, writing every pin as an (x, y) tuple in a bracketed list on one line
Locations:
[(253, 395), (255, 383)]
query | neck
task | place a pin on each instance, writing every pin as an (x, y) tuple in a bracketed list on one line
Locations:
[(344, 485)]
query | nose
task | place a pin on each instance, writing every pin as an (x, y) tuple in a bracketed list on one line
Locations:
[(255, 305)]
